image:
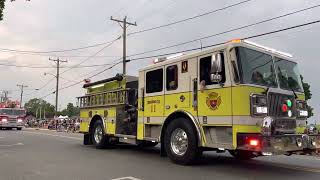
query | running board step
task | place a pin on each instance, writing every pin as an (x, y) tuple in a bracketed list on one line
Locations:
[(128, 139)]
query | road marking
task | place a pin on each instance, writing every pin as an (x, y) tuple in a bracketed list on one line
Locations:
[(300, 168), (126, 178), (54, 135), (288, 166), (10, 145), (305, 157)]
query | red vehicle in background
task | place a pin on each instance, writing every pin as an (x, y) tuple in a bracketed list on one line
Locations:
[(11, 117)]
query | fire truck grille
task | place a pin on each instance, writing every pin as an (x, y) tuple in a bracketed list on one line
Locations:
[(11, 120), (284, 126), (275, 102)]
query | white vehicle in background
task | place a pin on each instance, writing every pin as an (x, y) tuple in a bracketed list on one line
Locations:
[(12, 118)]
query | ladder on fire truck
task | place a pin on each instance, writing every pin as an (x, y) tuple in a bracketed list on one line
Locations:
[(120, 97), (106, 98)]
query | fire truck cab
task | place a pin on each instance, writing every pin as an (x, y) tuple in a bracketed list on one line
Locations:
[(12, 118), (239, 97)]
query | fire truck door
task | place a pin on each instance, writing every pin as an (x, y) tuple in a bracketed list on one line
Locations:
[(214, 101), (154, 96), (178, 86)]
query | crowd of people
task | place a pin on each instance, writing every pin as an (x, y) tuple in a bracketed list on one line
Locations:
[(66, 125)]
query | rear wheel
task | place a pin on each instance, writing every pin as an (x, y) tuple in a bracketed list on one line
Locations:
[(242, 155), (99, 138), (181, 142)]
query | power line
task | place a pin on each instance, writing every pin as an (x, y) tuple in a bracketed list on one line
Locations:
[(193, 49), (228, 31), (212, 45), (70, 68), (56, 56), (96, 53), (50, 67), (190, 18), (76, 83), (54, 51)]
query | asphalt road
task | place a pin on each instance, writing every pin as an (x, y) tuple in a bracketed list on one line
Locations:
[(42, 155)]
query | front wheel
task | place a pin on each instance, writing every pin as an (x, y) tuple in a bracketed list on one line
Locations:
[(99, 138), (19, 129), (181, 142)]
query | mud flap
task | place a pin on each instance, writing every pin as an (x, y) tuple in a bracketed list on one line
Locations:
[(87, 139), (163, 152)]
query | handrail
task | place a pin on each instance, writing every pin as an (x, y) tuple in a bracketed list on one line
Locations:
[(106, 98)]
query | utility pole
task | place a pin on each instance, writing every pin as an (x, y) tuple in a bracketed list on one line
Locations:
[(4, 96), (21, 88), (124, 26), (57, 61), (40, 112)]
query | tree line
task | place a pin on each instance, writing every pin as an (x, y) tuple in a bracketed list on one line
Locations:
[(35, 106)]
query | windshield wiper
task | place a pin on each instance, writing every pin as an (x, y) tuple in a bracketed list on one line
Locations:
[(266, 91), (295, 95)]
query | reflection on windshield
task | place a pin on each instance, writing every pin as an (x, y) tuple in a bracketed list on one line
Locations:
[(288, 74), (256, 67)]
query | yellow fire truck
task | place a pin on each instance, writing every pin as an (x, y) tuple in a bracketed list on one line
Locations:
[(239, 97)]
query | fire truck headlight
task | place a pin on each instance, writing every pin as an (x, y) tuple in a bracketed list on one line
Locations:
[(303, 113), (261, 110), (4, 120), (20, 120), (259, 105)]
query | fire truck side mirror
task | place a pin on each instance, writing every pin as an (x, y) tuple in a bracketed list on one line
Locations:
[(216, 67)]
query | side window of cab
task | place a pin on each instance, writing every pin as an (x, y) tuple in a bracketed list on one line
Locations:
[(210, 74), (172, 77), (154, 81)]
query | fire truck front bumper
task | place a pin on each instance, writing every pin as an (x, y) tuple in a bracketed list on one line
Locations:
[(10, 125), (279, 144)]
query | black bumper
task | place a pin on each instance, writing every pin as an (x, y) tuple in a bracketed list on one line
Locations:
[(280, 144)]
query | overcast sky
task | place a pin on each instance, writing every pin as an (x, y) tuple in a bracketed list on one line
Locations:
[(44, 25)]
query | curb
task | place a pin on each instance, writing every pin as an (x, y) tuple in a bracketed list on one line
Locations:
[(41, 129)]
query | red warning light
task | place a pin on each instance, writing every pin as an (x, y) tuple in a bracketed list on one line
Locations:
[(284, 108), (254, 142)]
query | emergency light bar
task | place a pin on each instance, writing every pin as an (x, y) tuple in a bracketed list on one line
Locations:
[(268, 49), (157, 60)]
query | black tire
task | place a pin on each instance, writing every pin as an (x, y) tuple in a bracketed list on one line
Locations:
[(192, 152), (19, 129), (104, 141), (242, 155)]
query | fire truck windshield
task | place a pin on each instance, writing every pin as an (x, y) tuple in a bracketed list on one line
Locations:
[(256, 67), (12, 112), (288, 74)]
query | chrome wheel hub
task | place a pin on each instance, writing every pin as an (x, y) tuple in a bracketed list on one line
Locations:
[(179, 142), (98, 134)]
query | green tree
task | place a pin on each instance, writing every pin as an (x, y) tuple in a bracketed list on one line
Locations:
[(308, 94), (2, 5), (33, 107), (71, 110)]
